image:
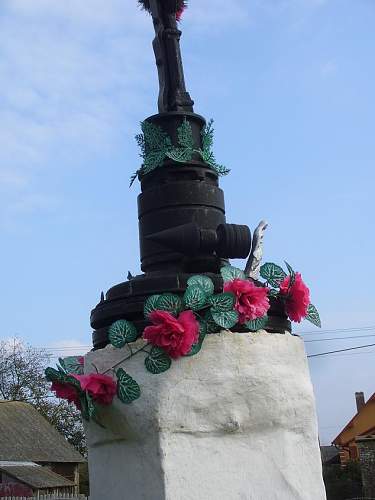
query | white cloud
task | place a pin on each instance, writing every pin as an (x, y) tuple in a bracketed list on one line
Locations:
[(72, 72), (68, 347)]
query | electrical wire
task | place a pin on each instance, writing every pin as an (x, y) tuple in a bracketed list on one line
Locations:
[(339, 350), (340, 338), (336, 330)]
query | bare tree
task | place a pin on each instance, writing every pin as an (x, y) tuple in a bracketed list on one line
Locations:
[(22, 379)]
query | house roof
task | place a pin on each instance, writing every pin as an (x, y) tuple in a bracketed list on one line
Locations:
[(350, 423), (36, 476), (25, 435)]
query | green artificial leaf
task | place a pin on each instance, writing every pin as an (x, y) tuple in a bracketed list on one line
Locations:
[(155, 139), (169, 302), (122, 332), (212, 327), (292, 274), (272, 273), (150, 305), (313, 316), (91, 409), (222, 302), (153, 160), (207, 156), (128, 389), (195, 348), (157, 361), (206, 153), (180, 155), (207, 135), (73, 381), (272, 292), (134, 176), (71, 364), (185, 135), (290, 269), (84, 406), (220, 169), (53, 375), (204, 282), (225, 319), (194, 298), (257, 324), (140, 138), (229, 273)]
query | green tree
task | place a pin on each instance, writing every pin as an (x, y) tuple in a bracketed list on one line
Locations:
[(22, 379), (343, 482)]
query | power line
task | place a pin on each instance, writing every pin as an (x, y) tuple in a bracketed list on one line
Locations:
[(336, 330), (340, 338), (339, 350)]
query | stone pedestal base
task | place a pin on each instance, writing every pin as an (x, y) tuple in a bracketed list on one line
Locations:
[(236, 421)]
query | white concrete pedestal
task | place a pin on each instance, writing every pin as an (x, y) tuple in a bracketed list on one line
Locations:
[(236, 421)]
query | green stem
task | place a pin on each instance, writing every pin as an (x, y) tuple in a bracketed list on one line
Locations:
[(132, 353)]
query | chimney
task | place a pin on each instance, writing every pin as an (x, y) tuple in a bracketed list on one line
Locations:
[(360, 400)]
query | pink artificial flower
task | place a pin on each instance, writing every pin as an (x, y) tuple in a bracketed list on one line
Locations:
[(174, 335), (81, 360), (180, 12), (66, 391), (101, 388), (297, 298), (251, 300)]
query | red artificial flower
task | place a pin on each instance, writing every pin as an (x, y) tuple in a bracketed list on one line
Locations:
[(174, 335), (297, 298), (179, 13), (251, 300), (101, 388), (66, 391)]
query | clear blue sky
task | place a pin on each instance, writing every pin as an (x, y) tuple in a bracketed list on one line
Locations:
[(290, 84)]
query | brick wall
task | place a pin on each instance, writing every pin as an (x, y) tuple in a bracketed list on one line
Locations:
[(366, 447)]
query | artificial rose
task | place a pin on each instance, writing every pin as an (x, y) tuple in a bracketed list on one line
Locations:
[(251, 300), (66, 391), (297, 298), (174, 335), (179, 13), (100, 387)]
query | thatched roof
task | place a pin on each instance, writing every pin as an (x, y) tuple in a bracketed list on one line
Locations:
[(36, 476), (25, 435)]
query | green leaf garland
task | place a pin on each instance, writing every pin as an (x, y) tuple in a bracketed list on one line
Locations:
[(225, 319), (155, 146), (150, 305), (229, 273), (204, 282), (169, 302), (195, 348), (122, 332), (128, 389), (257, 324), (222, 302), (53, 375), (157, 361), (292, 274), (272, 273), (71, 364), (212, 326), (194, 298), (313, 316)]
